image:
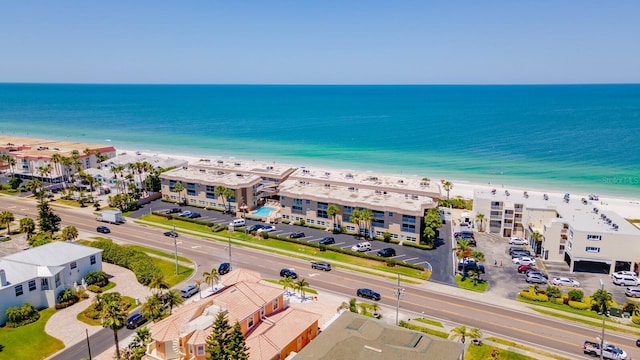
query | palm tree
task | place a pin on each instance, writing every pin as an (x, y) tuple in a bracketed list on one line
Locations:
[(355, 218), (480, 220), (153, 308), (352, 306), (286, 282), (211, 276), (366, 216), (114, 317), (56, 159), (28, 226), (172, 298), (300, 285), (536, 236), (158, 283), (602, 300), (6, 218), (332, 211), (178, 187), (447, 186), (461, 332), (33, 185), (225, 193), (462, 248), (70, 233)]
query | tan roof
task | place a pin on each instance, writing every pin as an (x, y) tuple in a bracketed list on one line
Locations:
[(244, 298), (357, 337), (199, 337), (285, 326), (240, 275), (171, 327)]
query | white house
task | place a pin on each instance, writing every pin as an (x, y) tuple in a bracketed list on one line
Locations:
[(38, 275)]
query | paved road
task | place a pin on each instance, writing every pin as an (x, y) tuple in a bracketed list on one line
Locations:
[(484, 311)]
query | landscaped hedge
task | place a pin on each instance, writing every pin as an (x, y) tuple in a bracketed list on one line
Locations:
[(423, 329), (21, 315), (137, 261), (579, 305), (419, 246), (533, 296)]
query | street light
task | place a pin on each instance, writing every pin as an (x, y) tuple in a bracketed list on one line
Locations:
[(175, 246), (398, 293)]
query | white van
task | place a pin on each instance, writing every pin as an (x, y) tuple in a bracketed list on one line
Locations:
[(362, 247), (626, 280), (237, 222)]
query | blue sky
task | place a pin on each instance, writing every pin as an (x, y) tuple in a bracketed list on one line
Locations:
[(320, 42)]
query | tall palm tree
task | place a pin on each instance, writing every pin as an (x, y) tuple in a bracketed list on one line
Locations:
[(286, 282), (300, 285), (173, 298), (355, 218), (537, 236), (461, 332), (56, 159), (153, 308), (6, 218), (33, 185), (158, 283), (332, 211), (178, 187), (114, 316), (198, 283), (10, 161), (225, 194), (366, 216), (211, 276), (480, 219), (602, 299), (70, 233), (447, 186), (27, 226)]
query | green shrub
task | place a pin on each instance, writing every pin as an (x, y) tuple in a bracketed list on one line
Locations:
[(99, 278), (576, 295), (82, 294), (21, 315), (635, 319), (530, 295), (135, 260), (579, 305), (415, 245), (94, 289), (286, 221)]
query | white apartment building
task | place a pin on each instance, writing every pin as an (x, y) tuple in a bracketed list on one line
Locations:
[(38, 275), (580, 232), (398, 203)]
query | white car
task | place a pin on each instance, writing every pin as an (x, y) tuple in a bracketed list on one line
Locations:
[(563, 281), (524, 260), (361, 247), (267, 228), (517, 241), (621, 273)]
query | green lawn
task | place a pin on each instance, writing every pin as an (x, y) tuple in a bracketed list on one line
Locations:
[(426, 330), (429, 321), (467, 284), (519, 346), (483, 352), (18, 343), (168, 269), (159, 253)]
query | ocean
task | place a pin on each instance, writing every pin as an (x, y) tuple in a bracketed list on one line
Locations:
[(581, 138)]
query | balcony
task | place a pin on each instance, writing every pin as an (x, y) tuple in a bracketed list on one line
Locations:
[(508, 215), (497, 207), (495, 217)]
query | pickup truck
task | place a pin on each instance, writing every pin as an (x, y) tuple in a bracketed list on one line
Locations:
[(611, 352), (470, 264)]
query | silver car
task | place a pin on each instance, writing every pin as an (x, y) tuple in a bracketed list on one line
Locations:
[(535, 278)]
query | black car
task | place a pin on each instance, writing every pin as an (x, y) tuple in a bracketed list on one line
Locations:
[(327, 241), (224, 268), (387, 252), (193, 215), (368, 294), (135, 320), (171, 233), (255, 227), (288, 273), (296, 235), (174, 211), (513, 249), (103, 229), (470, 265)]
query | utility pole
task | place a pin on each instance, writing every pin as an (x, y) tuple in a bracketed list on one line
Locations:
[(602, 336), (88, 343), (175, 247), (230, 252), (398, 293)]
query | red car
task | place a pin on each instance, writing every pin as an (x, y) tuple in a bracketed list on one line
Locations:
[(524, 268)]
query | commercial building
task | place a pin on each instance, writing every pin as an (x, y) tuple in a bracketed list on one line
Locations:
[(271, 328), (36, 276), (353, 336), (252, 182), (398, 203), (580, 232), (31, 156)]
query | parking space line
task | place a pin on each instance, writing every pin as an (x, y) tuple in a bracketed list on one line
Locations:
[(318, 239), (344, 247), (413, 258), (336, 244), (421, 262), (397, 256)]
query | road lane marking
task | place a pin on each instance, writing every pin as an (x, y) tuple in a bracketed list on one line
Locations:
[(413, 258)]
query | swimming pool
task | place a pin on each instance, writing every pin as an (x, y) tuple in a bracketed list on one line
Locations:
[(263, 211)]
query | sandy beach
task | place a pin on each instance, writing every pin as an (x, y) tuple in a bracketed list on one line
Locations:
[(628, 208)]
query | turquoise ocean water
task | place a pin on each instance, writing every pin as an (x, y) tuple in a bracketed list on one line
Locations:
[(581, 138)]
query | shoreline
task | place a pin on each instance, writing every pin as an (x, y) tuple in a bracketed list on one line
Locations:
[(627, 207)]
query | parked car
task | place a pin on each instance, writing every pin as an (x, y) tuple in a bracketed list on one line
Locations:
[(185, 213), (193, 215), (632, 292), (7, 237), (368, 294), (513, 249), (620, 273), (266, 228), (255, 227), (321, 265), (625, 280), (171, 233), (189, 291), (103, 229), (224, 268), (361, 247), (237, 223), (536, 279), (288, 273), (296, 235), (563, 281), (135, 320), (535, 271), (526, 267), (524, 260), (463, 234), (517, 241), (466, 265), (327, 241), (517, 254), (174, 211), (387, 252)]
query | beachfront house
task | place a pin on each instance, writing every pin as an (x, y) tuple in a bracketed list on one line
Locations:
[(272, 329), (32, 156), (398, 203), (579, 232), (37, 275), (252, 183)]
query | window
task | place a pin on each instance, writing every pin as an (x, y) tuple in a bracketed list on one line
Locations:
[(409, 219), (322, 214), (210, 188), (411, 238), (262, 312), (275, 304), (19, 290), (210, 195), (592, 249), (250, 323), (308, 202), (408, 228), (74, 265), (377, 223), (190, 348), (390, 214), (32, 285), (191, 192), (191, 186), (44, 284), (594, 237), (57, 280), (378, 214), (200, 350), (323, 206), (92, 259), (297, 202)]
